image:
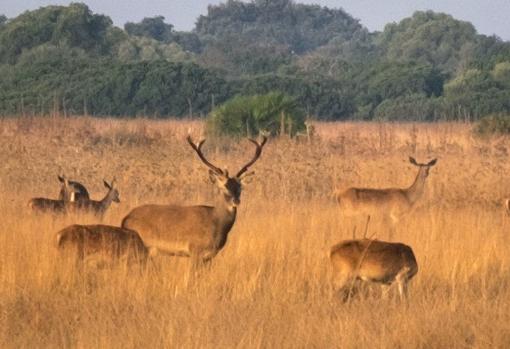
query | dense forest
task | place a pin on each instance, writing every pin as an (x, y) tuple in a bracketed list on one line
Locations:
[(426, 67)]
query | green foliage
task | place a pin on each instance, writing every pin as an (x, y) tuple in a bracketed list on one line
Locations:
[(493, 124), (154, 28), (142, 49), (73, 26), (249, 115), (501, 73), (426, 67), (428, 37), (76, 84), (299, 27), (411, 107)]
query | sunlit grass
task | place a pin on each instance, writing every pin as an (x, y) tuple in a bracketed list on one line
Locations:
[(269, 286)]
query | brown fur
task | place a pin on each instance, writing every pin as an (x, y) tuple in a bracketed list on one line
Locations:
[(372, 260), (44, 205), (192, 231), (80, 192), (390, 203), (98, 208), (107, 241)]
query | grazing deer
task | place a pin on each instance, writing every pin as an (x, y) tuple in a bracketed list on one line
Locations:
[(80, 192), (44, 205), (392, 203), (113, 243), (372, 260), (99, 208), (199, 232)]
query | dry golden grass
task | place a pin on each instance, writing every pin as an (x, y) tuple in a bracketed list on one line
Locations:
[(269, 287)]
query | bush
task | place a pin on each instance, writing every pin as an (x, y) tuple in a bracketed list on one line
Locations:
[(273, 113), (493, 124)]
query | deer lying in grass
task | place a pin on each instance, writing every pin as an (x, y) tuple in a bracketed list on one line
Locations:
[(80, 192), (44, 205), (199, 232), (390, 204), (372, 260), (103, 241), (98, 208)]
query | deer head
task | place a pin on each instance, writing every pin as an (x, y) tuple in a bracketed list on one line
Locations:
[(113, 193), (424, 168), (230, 187)]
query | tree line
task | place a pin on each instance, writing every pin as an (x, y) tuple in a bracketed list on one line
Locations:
[(429, 66)]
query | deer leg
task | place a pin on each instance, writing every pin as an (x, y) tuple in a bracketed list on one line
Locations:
[(385, 291), (343, 285), (402, 280)]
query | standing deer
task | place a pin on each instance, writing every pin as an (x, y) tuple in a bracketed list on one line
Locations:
[(372, 260), (44, 205), (99, 208), (80, 192), (112, 243), (392, 203), (199, 232)]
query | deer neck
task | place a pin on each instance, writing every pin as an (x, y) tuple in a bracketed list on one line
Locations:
[(224, 217), (107, 200), (415, 191)]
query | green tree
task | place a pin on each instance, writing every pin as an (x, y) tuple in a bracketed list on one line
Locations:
[(249, 115), (73, 26)]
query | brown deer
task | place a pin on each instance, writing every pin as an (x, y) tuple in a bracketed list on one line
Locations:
[(199, 232), (374, 261), (44, 205), (389, 204), (98, 208), (113, 243), (80, 192)]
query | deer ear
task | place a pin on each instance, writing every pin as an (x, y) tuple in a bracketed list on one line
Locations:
[(413, 161), (106, 184), (216, 177), (60, 178), (246, 177), (432, 162)]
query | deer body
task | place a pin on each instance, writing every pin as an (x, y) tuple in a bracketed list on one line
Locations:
[(80, 192), (199, 232), (45, 205), (114, 243), (372, 261), (99, 208), (390, 203)]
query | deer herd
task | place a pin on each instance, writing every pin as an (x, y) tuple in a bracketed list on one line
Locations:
[(200, 232)]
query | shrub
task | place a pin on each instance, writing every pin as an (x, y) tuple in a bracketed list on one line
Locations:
[(493, 124), (273, 113)]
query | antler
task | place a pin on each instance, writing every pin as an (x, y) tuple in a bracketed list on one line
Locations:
[(258, 151), (201, 156)]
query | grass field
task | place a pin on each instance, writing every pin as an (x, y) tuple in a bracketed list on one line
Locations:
[(270, 286)]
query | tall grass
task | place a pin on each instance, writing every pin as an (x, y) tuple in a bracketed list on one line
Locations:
[(269, 286)]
